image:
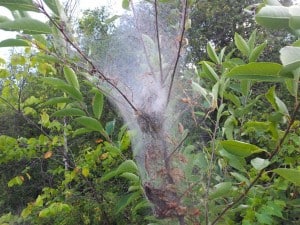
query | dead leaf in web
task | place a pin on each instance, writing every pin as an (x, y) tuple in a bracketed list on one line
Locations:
[(177, 174), (48, 155)]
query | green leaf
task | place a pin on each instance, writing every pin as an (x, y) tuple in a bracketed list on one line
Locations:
[(13, 43), (90, 123), (239, 148), (259, 71), (290, 57), (23, 5), (26, 26), (71, 77), (57, 100), (209, 71), (212, 53), (69, 112), (125, 201), (18, 180), (62, 85), (295, 17), (240, 177), (274, 17), (4, 19), (259, 163), (255, 53), (221, 190), (130, 176), (272, 2), (277, 104), (98, 102), (52, 4), (252, 40), (241, 44), (234, 161), (291, 175), (125, 4), (127, 166)]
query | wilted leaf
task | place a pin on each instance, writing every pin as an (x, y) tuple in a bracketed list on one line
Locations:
[(48, 155)]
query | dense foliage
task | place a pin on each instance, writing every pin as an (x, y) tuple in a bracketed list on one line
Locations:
[(65, 156)]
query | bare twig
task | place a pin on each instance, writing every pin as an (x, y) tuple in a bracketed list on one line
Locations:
[(276, 150), (212, 157), (158, 41), (94, 69), (181, 37)]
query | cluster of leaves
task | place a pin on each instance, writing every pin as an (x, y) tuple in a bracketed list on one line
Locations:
[(253, 156)]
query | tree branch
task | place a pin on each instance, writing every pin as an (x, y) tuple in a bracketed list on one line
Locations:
[(276, 150)]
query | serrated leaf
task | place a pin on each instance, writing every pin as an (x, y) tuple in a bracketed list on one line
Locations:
[(259, 163), (259, 71), (26, 26), (291, 175), (241, 44), (69, 112), (98, 102), (239, 148), (23, 5), (71, 77), (13, 43), (274, 17), (212, 53)]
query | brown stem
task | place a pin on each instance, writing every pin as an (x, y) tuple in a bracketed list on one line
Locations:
[(183, 21), (158, 42), (276, 150)]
